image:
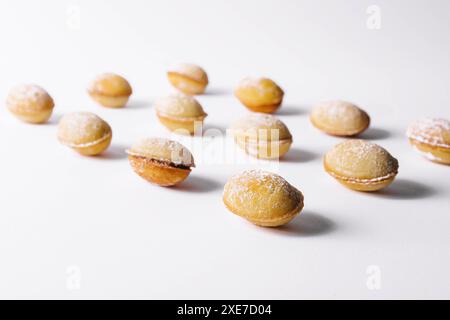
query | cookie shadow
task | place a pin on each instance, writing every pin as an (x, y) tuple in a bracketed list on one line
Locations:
[(299, 156), (404, 189), (213, 130), (307, 224), (135, 104), (54, 119), (198, 184), (114, 152), (375, 134), (217, 92), (289, 110)]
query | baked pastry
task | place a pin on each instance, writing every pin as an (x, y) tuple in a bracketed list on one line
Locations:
[(263, 198), (339, 118), (161, 161), (85, 132), (110, 90), (361, 165), (431, 137), (180, 113), (188, 78), (262, 136), (259, 94), (30, 103)]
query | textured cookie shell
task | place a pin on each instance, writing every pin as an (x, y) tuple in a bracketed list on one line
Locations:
[(191, 71), (180, 106), (163, 150), (255, 124), (258, 92), (262, 197), (435, 132), (339, 118), (29, 99), (361, 160), (110, 84), (82, 129)]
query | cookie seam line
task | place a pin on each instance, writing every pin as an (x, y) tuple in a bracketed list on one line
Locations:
[(427, 140), (190, 165), (88, 144)]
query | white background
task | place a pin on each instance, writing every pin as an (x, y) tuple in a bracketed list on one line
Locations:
[(78, 227)]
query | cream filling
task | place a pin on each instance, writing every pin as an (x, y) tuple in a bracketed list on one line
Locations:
[(363, 181), (426, 139), (186, 119), (87, 144), (135, 154)]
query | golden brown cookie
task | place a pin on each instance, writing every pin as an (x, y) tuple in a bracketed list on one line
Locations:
[(262, 136), (161, 161), (339, 118), (30, 103), (263, 198), (361, 165), (110, 90), (188, 78), (259, 94), (180, 113), (85, 132), (431, 137)]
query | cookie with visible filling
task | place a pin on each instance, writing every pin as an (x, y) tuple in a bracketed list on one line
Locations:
[(262, 136), (188, 78), (361, 165), (431, 138), (161, 161)]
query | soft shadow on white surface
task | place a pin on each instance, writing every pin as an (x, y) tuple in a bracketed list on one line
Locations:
[(405, 189), (375, 134), (198, 184), (213, 129), (135, 104), (114, 152), (54, 119), (307, 224), (300, 156), (217, 92), (288, 110)]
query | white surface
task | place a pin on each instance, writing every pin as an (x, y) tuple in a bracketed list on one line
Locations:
[(67, 219)]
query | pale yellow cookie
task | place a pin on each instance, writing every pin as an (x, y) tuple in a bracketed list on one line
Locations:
[(30, 103), (180, 113), (263, 198), (262, 136), (339, 118), (161, 161), (361, 165), (431, 137), (259, 94), (188, 78), (110, 90), (85, 132)]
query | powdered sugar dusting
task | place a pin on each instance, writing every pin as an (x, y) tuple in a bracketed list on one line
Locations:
[(432, 131), (361, 160), (107, 82), (339, 110), (28, 97), (257, 121), (258, 85), (179, 105), (262, 190), (82, 129), (189, 70), (164, 150)]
